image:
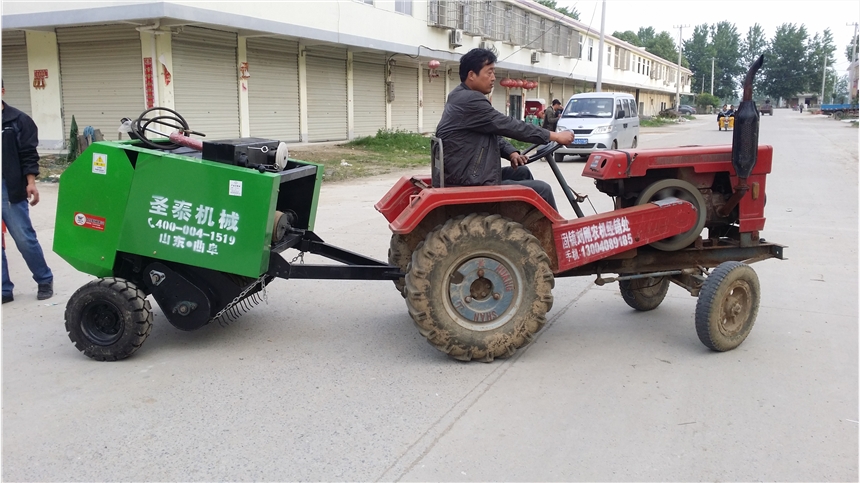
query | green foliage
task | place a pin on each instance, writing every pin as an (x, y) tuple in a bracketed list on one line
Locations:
[(850, 49), (699, 51), (571, 12), (752, 46), (655, 122), (820, 50), (784, 67), (629, 36), (705, 100), (73, 141), (724, 37), (394, 141)]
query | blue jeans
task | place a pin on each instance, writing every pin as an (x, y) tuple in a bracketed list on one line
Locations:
[(17, 219)]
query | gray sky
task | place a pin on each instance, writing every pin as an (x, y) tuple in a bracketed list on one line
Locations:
[(663, 15)]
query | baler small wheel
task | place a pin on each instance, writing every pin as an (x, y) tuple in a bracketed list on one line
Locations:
[(644, 294), (683, 190), (479, 287), (108, 319), (399, 255), (727, 306)]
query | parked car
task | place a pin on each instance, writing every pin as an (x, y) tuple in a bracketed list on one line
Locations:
[(599, 120), (685, 109), (766, 107)]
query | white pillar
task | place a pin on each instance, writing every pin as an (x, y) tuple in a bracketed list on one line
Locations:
[(350, 97), (244, 85), (303, 94), (420, 98), (46, 104)]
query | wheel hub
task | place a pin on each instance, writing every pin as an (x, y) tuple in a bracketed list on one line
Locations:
[(736, 308), (482, 291), (102, 323)]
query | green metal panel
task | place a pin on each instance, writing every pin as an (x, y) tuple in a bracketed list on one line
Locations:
[(200, 213), (90, 208)]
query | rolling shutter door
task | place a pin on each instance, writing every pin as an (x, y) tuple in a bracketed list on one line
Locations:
[(434, 100), (500, 98), (326, 77), (404, 109), (16, 76), (544, 93), (368, 88), (273, 89), (557, 91), (205, 76), (102, 75)]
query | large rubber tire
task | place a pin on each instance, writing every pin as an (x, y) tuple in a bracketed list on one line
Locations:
[(680, 189), (727, 306), (479, 287), (635, 142), (614, 144), (399, 255), (108, 319), (559, 157), (644, 294)]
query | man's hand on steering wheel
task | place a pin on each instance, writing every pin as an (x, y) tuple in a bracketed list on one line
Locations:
[(561, 137), (518, 159)]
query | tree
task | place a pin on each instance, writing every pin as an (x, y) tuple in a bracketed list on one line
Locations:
[(698, 51), (819, 50), (662, 45), (849, 52), (571, 12), (629, 36), (840, 90), (646, 35), (783, 72), (724, 38), (753, 45)]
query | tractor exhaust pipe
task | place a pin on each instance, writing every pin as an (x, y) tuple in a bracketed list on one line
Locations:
[(744, 139)]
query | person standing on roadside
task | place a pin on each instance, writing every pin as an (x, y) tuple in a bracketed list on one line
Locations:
[(20, 169), (551, 115)]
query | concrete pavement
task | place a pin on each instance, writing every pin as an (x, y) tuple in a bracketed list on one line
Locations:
[(331, 381)]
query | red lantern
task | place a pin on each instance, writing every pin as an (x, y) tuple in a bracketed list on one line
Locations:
[(433, 64), (528, 85), (503, 82), (520, 82), (532, 85)]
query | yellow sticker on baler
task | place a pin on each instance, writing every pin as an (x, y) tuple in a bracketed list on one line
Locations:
[(99, 163)]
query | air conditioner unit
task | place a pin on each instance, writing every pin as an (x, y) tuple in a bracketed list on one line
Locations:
[(485, 45), (455, 38), (535, 57)]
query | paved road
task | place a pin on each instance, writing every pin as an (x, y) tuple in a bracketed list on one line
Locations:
[(330, 380)]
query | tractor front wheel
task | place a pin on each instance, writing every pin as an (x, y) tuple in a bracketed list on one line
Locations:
[(727, 306), (399, 255), (644, 294), (108, 319), (479, 287)]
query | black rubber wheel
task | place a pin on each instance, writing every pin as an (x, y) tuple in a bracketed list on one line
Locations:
[(108, 319), (559, 157), (614, 144), (635, 142), (644, 294), (399, 255), (683, 190), (727, 306), (479, 287)]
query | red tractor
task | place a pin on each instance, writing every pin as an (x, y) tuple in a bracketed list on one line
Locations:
[(480, 262)]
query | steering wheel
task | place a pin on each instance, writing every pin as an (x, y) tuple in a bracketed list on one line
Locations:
[(173, 120), (546, 150)]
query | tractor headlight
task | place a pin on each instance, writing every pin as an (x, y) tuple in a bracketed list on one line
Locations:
[(602, 130)]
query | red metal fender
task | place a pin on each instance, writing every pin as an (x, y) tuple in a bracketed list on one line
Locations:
[(585, 240), (405, 205)]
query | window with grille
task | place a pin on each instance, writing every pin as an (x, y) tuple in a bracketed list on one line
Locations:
[(609, 55), (590, 49)]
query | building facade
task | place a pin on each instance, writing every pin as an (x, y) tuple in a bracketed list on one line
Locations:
[(301, 71)]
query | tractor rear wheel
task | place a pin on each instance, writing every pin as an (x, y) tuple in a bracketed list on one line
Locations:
[(683, 190), (399, 255), (108, 319), (644, 294), (727, 306), (479, 287)]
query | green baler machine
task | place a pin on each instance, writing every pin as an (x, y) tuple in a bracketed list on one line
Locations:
[(197, 225)]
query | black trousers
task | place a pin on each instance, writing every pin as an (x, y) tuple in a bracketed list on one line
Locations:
[(521, 175)]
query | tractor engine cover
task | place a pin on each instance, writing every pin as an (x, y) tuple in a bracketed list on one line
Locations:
[(185, 305), (246, 152)]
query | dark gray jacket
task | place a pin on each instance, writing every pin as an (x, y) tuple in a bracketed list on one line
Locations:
[(20, 158), (471, 131)]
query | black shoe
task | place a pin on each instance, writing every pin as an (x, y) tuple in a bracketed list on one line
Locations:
[(46, 291), (8, 298)]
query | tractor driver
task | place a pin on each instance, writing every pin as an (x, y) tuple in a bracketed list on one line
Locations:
[(472, 133)]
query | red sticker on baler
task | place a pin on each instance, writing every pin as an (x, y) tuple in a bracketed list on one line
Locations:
[(90, 221)]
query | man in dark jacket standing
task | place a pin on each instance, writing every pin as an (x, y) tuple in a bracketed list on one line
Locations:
[(551, 115), (472, 133), (20, 168)]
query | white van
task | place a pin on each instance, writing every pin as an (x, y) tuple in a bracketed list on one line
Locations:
[(599, 121)]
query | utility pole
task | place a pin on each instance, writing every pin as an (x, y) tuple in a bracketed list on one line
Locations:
[(823, 78), (600, 49), (712, 75), (678, 77), (851, 70)]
